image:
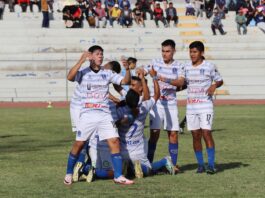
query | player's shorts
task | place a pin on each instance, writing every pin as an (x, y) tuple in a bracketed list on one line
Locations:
[(74, 115), (168, 117), (100, 158), (92, 121), (199, 121)]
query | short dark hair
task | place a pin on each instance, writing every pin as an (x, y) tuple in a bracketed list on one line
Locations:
[(94, 48), (132, 99), (136, 78), (131, 59), (169, 42), (115, 66), (198, 45), (136, 4)]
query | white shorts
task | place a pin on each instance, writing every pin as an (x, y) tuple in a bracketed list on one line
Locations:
[(199, 121), (100, 158), (74, 115), (166, 116), (92, 121)]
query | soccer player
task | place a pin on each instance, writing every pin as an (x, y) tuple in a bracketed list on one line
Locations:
[(95, 113), (165, 110), (202, 79)]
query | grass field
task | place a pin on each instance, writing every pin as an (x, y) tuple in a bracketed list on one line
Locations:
[(34, 144)]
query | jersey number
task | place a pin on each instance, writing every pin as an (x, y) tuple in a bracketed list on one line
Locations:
[(134, 127)]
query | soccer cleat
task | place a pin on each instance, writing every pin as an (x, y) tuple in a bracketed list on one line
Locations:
[(210, 170), (201, 169), (169, 166), (122, 180), (91, 175), (68, 179), (77, 171), (138, 172)]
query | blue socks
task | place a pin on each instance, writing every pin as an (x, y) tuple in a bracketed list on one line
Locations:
[(101, 173), (151, 151), (199, 157), (211, 156), (173, 151), (117, 164), (159, 164), (83, 153), (71, 163)]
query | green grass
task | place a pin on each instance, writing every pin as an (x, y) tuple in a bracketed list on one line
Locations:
[(34, 144)]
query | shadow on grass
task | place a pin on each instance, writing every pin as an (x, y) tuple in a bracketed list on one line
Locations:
[(221, 167), (13, 135)]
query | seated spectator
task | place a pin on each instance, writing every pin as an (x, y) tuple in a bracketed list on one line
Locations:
[(241, 21), (72, 15), (24, 4), (114, 14), (124, 3), (126, 17), (91, 15), (159, 16), (101, 15), (138, 15), (216, 22), (109, 4), (171, 13), (36, 2), (255, 3), (260, 18), (190, 11), (160, 1), (91, 3), (83, 5), (2, 7), (145, 7)]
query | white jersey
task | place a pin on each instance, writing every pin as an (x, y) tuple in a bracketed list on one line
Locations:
[(76, 97), (199, 79), (95, 88), (168, 92), (132, 136)]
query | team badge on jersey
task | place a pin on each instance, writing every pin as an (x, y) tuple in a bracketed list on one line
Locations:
[(104, 76), (175, 71), (79, 133), (88, 86), (202, 71)]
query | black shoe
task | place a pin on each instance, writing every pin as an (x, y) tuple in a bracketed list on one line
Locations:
[(201, 169), (211, 170)]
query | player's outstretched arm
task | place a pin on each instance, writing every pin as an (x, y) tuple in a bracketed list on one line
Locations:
[(153, 74), (113, 98), (213, 87), (146, 93), (73, 71), (177, 82), (127, 78)]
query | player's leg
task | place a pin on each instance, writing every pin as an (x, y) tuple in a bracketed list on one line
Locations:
[(108, 131), (155, 124), (193, 125), (165, 162), (206, 125), (171, 124)]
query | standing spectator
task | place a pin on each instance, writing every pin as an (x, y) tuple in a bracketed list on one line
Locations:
[(114, 15), (199, 6), (45, 13), (228, 4), (101, 15), (209, 5), (159, 16), (36, 2), (216, 22), (171, 13), (2, 7), (50, 4), (108, 6), (138, 15), (91, 15), (145, 7), (24, 4), (126, 17), (11, 4), (241, 21), (124, 3)]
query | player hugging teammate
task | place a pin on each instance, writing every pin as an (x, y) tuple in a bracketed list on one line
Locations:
[(110, 140)]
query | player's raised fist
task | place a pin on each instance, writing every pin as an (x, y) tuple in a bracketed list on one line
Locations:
[(152, 72)]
